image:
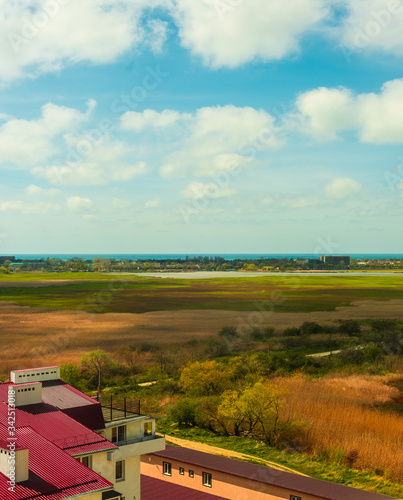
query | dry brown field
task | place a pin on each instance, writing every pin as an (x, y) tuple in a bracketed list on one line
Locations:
[(34, 335)]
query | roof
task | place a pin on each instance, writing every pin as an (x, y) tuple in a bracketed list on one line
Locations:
[(35, 369), (59, 428), (152, 488), (62, 395), (268, 476), (53, 474)]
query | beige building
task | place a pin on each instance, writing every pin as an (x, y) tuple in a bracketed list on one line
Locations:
[(58, 443), (231, 479)]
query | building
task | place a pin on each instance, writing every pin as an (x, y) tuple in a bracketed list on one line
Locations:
[(336, 260), (232, 479), (58, 443)]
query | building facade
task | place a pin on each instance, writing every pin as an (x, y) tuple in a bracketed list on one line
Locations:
[(236, 480), (57, 443)]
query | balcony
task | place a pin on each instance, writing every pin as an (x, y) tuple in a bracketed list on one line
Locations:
[(119, 408), (138, 446)]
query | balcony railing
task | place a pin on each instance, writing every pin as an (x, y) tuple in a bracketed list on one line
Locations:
[(119, 407)]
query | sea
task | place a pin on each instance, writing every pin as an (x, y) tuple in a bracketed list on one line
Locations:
[(234, 256)]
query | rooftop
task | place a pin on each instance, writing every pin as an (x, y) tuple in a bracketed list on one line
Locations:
[(152, 488), (267, 475)]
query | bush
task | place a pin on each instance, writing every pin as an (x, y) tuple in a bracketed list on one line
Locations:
[(349, 327), (292, 332), (228, 332), (183, 413), (310, 328)]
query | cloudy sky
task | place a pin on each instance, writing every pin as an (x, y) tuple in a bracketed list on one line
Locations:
[(201, 126)]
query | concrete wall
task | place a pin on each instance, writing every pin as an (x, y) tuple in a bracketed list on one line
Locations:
[(35, 375), (28, 394)]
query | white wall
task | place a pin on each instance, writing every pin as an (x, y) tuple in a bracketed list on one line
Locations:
[(35, 375)]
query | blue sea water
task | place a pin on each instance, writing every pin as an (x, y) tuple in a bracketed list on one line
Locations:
[(243, 256)]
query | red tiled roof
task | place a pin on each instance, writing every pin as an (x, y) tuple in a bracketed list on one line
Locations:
[(155, 489), (267, 475), (53, 474)]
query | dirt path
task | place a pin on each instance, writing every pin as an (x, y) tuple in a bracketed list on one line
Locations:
[(193, 445)]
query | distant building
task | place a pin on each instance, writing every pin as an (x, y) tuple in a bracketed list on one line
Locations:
[(336, 260), (58, 443), (226, 478)]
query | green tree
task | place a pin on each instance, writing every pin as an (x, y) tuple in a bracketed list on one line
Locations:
[(71, 374), (97, 362), (205, 379)]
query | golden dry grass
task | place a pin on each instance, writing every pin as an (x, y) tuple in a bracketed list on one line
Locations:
[(340, 415), (32, 335)]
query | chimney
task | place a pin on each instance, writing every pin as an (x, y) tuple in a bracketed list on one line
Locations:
[(14, 462), (26, 394)]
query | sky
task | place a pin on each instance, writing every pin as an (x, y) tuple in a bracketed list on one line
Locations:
[(201, 126)]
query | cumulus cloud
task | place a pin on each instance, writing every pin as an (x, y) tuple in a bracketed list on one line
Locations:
[(199, 190), (106, 162), (149, 118), (39, 37), (373, 25), (78, 204), (27, 142), (219, 139), (327, 111), (341, 188), (229, 34), (377, 118)]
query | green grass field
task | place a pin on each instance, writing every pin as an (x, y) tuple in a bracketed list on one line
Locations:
[(134, 294)]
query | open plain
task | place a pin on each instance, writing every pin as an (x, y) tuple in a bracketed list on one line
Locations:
[(51, 319)]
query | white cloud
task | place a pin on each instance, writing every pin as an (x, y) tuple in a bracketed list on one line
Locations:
[(377, 118), (106, 162), (152, 203), (341, 188), (37, 208), (219, 139), (373, 25), (38, 37), (33, 190), (78, 204), (327, 111), (27, 142), (149, 118), (157, 34), (199, 190), (229, 34)]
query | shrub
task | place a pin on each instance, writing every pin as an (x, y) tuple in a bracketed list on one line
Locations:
[(183, 413)]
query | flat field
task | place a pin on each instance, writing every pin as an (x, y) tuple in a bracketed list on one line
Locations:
[(61, 316)]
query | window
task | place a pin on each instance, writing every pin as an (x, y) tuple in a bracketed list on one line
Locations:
[(87, 461), (181, 471), (120, 470), (293, 497), (118, 434), (148, 429), (191, 473), (207, 479), (167, 467)]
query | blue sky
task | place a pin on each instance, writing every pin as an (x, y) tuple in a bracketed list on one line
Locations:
[(201, 126)]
